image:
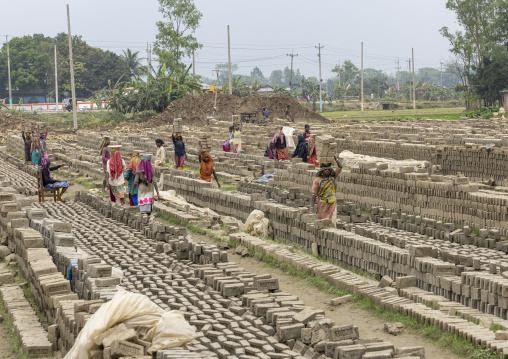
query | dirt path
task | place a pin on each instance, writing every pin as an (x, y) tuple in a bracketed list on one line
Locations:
[(5, 346), (369, 326)]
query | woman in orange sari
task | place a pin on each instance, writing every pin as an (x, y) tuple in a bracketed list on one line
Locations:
[(206, 169)]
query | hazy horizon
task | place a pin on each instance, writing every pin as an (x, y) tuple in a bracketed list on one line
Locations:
[(262, 32)]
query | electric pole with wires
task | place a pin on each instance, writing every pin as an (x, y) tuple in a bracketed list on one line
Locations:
[(291, 76), (319, 47)]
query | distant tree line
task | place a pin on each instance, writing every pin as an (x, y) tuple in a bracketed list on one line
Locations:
[(480, 49), (33, 65)]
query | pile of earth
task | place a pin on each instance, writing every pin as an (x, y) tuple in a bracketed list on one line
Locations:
[(193, 110)]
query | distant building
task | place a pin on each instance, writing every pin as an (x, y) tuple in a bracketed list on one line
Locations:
[(505, 98), (28, 96)]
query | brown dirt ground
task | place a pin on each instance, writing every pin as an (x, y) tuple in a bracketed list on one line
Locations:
[(369, 326), (5, 347), (194, 109)]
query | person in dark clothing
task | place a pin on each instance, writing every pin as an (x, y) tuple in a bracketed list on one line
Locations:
[(301, 149), (28, 143), (179, 150), (47, 181), (307, 131)]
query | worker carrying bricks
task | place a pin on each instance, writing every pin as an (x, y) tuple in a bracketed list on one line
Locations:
[(105, 154), (206, 169), (324, 189), (180, 152)]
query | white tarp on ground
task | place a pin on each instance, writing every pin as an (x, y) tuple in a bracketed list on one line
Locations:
[(351, 159), (257, 224), (166, 329), (180, 203)]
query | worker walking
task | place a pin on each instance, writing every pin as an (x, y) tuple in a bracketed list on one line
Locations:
[(264, 113), (324, 189)]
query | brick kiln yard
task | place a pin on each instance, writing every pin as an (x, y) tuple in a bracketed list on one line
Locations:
[(421, 240)]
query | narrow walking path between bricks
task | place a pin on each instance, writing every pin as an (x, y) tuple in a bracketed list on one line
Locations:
[(368, 325)]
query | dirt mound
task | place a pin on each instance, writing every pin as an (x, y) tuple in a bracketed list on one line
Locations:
[(9, 123), (194, 109)]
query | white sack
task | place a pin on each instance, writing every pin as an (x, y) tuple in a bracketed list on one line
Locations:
[(256, 223), (166, 329), (288, 133)]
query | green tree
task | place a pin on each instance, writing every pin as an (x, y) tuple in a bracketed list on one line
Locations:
[(256, 73), (478, 45), (224, 72), (375, 82), (276, 78), (297, 77), (175, 40), (30, 66), (133, 63), (349, 72)]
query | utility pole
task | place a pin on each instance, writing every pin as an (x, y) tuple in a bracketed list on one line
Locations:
[(73, 85), (441, 74), (148, 58), (229, 60), (56, 81), (362, 76), (216, 91), (398, 69), (193, 68), (9, 71), (414, 98), (319, 47), (291, 76), (409, 79), (339, 73)]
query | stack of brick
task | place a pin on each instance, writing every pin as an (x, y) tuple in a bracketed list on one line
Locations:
[(72, 318), (25, 323), (326, 147), (205, 140), (178, 125), (95, 279)]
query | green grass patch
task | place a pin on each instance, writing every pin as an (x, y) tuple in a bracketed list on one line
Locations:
[(77, 180), (495, 327), (444, 340), (398, 115)]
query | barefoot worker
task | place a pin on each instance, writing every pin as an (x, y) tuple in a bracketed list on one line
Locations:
[(47, 181), (279, 144), (324, 188), (27, 139), (160, 156), (206, 169), (179, 150), (105, 154), (145, 184), (129, 175), (116, 179)]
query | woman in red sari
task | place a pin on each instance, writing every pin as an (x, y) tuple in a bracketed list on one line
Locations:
[(279, 143), (311, 146)]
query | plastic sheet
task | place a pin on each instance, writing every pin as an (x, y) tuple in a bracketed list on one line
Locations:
[(264, 179), (165, 329)]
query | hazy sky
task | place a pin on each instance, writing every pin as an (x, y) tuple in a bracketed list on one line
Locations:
[(263, 32)]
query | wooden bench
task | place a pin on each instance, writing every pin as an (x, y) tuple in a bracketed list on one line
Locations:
[(47, 192)]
